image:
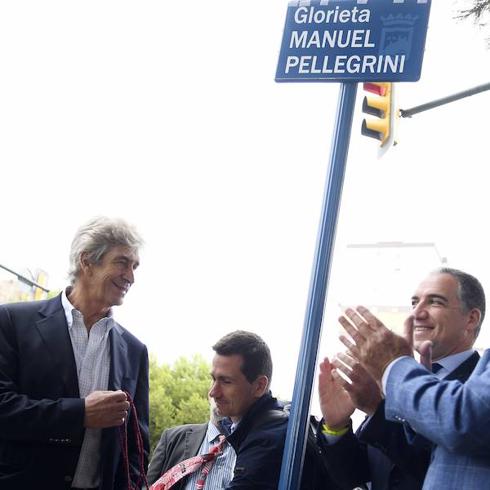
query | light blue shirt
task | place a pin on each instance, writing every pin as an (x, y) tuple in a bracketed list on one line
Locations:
[(449, 364), (221, 472)]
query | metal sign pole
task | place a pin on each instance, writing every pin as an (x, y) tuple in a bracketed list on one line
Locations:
[(296, 435)]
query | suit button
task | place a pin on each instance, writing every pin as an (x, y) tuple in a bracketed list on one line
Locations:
[(67, 478)]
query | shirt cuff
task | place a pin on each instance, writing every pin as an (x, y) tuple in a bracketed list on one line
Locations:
[(384, 379)]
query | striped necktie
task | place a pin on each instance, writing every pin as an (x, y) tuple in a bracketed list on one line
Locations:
[(202, 462)]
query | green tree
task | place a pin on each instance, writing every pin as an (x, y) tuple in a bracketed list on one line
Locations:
[(178, 394)]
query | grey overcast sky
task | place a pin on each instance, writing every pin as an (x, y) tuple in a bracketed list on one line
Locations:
[(167, 114)]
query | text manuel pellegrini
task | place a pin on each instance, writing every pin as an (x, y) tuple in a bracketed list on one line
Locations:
[(306, 38)]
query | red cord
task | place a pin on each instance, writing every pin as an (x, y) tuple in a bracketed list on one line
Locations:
[(123, 439)]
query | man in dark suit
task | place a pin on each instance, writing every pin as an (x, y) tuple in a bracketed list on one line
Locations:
[(379, 451), (253, 421), (255, 424), (68, 372)]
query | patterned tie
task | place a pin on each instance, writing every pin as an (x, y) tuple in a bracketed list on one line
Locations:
[(436, 367), (226, 424), (203, 462)]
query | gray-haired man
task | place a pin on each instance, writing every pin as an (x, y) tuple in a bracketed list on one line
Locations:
[(66, 369)]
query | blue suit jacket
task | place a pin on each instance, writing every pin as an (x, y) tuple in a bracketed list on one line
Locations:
[(41, 413), (455, 416), (379, 451)]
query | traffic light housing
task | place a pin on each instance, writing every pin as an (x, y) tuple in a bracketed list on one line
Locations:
[(382, 106)]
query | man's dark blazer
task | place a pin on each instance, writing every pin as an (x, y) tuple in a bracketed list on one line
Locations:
[(176, 445), (258, 442), (41, 413), (379, 451)]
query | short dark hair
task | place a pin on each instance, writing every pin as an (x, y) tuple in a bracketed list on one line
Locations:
[(256, 355), (470, 292)]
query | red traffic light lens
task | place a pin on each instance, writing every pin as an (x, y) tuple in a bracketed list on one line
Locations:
[(379, 88)]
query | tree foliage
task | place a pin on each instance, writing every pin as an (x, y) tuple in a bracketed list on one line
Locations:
[(178, 394)]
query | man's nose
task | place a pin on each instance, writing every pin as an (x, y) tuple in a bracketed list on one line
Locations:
[(129, 275), (213, 391), (420, 310)]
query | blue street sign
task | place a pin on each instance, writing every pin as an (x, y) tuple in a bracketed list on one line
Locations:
[(353, 40)]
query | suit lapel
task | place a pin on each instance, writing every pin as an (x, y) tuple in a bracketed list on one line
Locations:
[(53, 329), (193, 440), (119, 358), (117, 371)]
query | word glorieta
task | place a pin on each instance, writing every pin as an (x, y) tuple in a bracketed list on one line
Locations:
[(310, 15)]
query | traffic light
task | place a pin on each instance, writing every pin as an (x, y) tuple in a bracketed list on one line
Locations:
[(381, 106)]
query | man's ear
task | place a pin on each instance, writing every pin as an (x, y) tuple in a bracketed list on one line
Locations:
[(84, 262), (474, 317), (261, 385)]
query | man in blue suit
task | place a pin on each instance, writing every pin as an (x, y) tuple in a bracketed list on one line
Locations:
[(453, 415), (379, 452), (68, 372)]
